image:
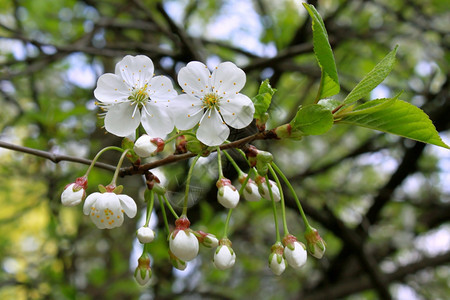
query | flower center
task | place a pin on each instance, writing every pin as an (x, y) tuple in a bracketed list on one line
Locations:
[(211, 100), (139, 96)]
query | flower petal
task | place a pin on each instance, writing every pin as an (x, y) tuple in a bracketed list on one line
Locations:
[(136, 71), (237, 111), (111, 89), (212, 131), (119, 119), (156, 120), (194, 79), (128, 205), (161, 89), (227, 79), (90, 202), (187, 111)]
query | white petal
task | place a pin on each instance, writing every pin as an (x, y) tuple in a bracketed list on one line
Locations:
[(184, 245), (119, 120), (224, 258), (228, 79), (295, 258), (230, 197), (145, 235), (161, 89), (212, 131), (237, 111), (111, 89), (187, 111), (71, 198), (128, 205), (136, 71), (277, 268), (90, 202), (156, 120), (194, 79)]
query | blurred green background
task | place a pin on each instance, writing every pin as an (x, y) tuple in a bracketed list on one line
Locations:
[(380, 202)]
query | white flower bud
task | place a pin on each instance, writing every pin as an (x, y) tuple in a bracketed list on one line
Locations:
[(145, 235), (224, 257), (211, 241), (183, 245), (264, 191), (251, 192), (228, 196), (277, 263), (71, 196), (144, 147), (295, 257)]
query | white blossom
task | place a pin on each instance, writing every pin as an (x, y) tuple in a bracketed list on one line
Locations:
[(224, 257), (106, 209), (133, 96), (212, 101), (183, 244)]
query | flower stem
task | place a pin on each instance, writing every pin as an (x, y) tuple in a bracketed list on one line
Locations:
[(225, 230), (274, 208), (283, 205), (163, 211), (188, 182), (233, 162), (170, 206), (219, 162), (150, 208), (97, 156), (286, 181), (119, 164)]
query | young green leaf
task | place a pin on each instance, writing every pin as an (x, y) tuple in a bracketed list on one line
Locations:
[(396, 117), (313, 119), (329, 83), (263, 99), (373, 78)]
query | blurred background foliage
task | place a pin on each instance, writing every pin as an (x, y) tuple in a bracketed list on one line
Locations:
[(380, 202)]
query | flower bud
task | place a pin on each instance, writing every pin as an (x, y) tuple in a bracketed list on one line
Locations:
[(264, 190), (182, 242), (176, 262), (146, 146), (286, 131), (143, 272), (259, 159), (180, 144), (75, 192), (145, 235), (314, 243), (251, 192), (227, 195), (206, 239), (294, 252), (277, 263), (224, 256)]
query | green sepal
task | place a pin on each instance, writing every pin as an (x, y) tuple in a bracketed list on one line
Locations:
[(102, 188), (118, 190), (263, 160)]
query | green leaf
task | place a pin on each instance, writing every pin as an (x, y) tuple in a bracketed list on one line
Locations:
[(263, 99), (373, 78), (313, 119), (329, 83), (396, 117)]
